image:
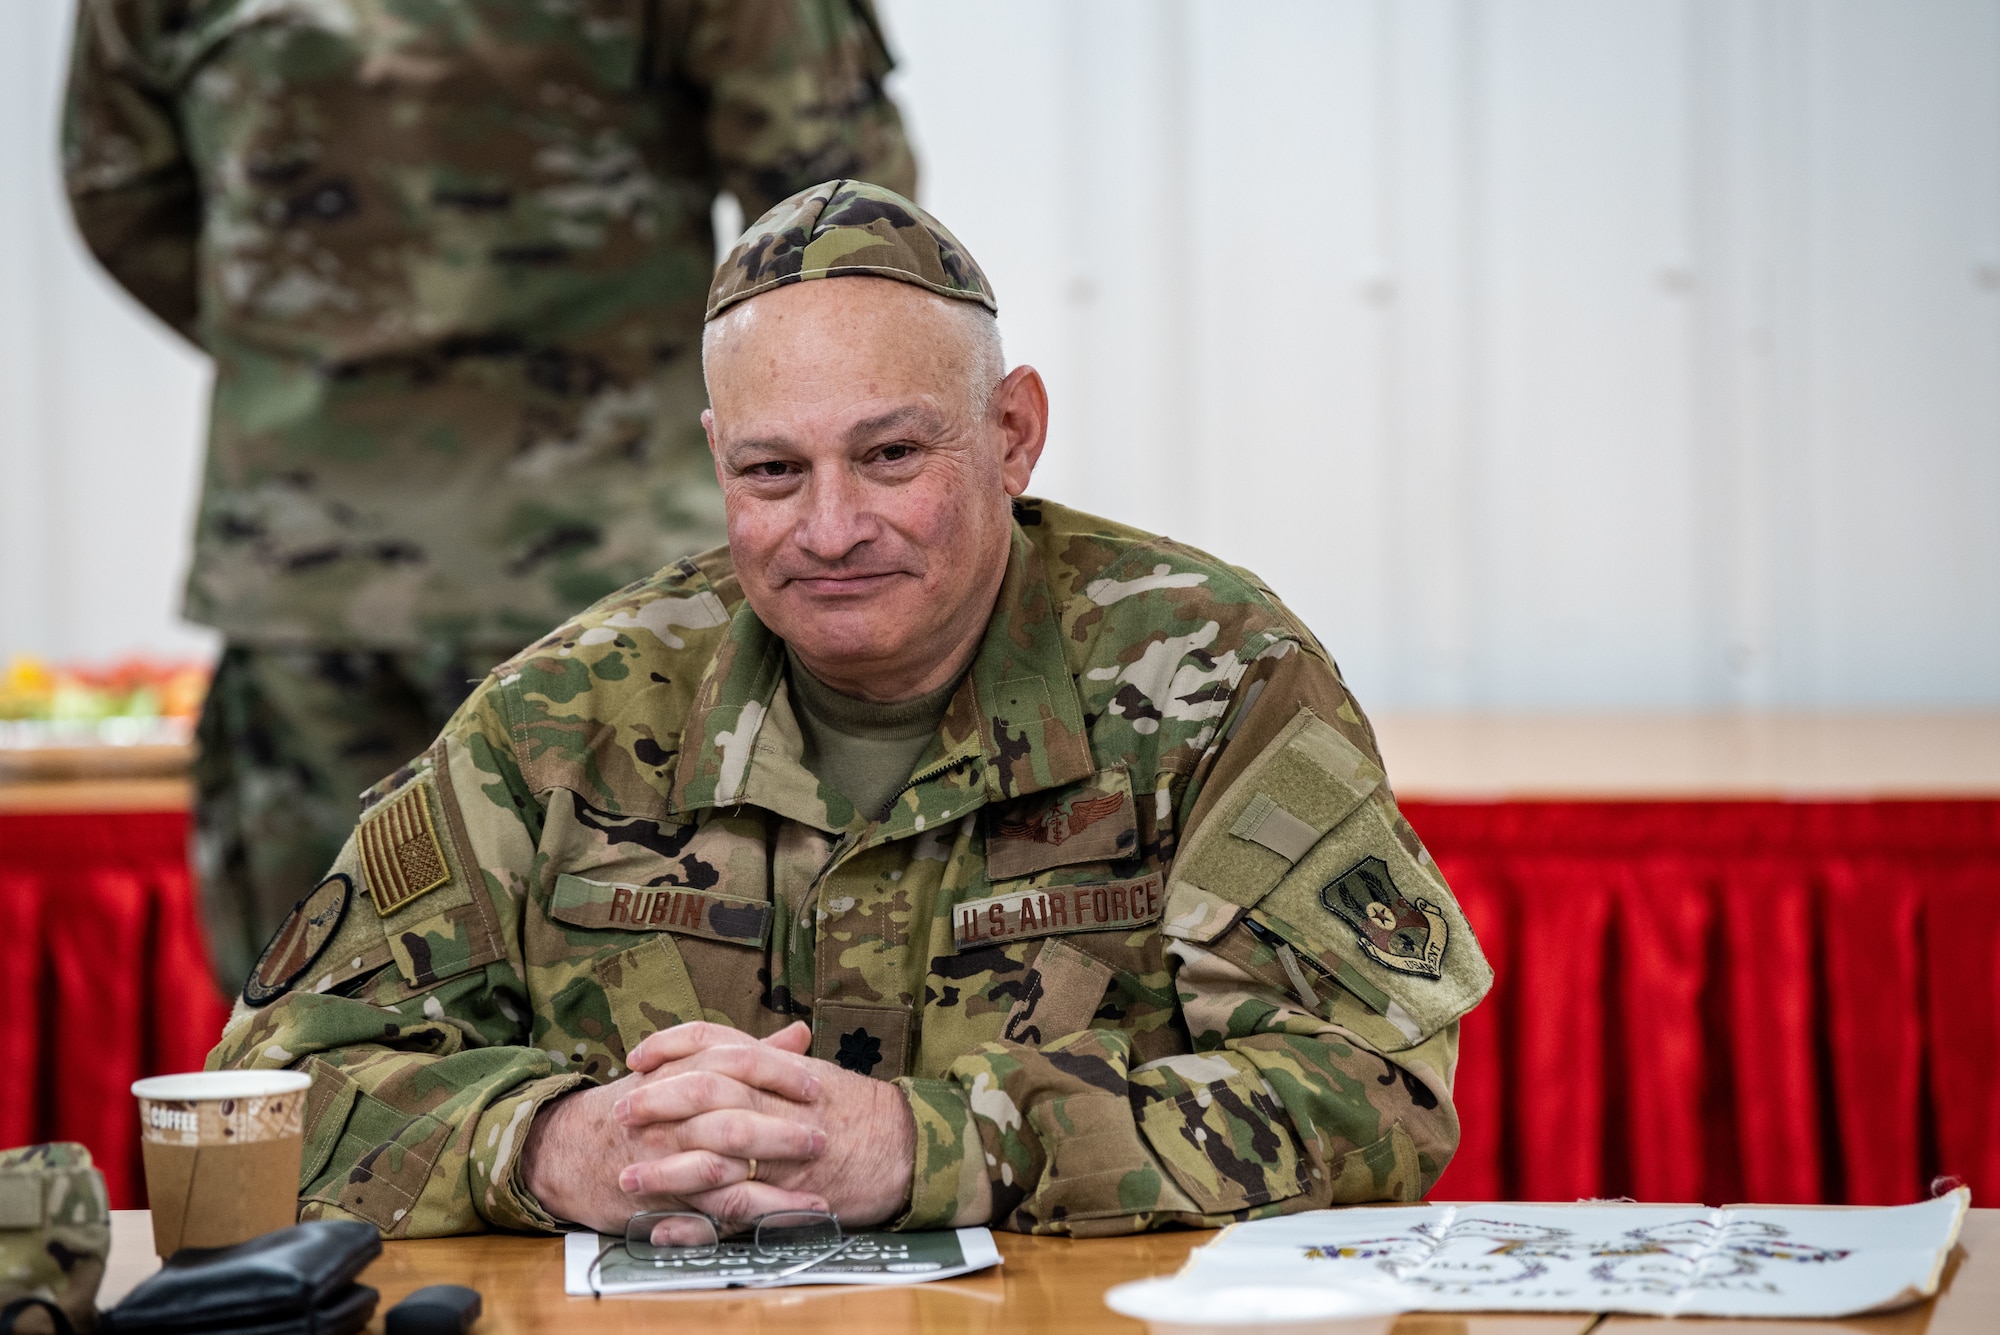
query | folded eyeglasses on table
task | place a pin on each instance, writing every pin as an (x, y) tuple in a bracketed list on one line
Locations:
[(798, 1239)]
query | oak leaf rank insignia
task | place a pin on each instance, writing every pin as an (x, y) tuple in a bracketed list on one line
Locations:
[(1393, 930), (400, 854), (860, 1051)]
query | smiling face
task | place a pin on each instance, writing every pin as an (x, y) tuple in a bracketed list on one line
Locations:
[(867, 474)]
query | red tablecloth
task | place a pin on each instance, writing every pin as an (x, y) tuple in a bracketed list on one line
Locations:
[(103, 979), (1712, 1001), (1728, 1001)]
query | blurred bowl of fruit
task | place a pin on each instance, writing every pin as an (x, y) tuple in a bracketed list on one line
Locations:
[(134, 716)]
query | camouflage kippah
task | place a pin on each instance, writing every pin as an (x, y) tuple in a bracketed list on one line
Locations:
[(846, 228)]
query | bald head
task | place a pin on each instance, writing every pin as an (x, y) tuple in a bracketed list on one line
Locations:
[(869, 444), (962, 337)]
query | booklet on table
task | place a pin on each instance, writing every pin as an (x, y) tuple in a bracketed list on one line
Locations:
[(1739, 1261), (871, 1258)]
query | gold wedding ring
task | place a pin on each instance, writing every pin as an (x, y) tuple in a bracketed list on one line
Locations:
[(753, 1172)]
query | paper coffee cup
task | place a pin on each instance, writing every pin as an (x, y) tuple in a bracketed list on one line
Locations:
[(222, 1154)]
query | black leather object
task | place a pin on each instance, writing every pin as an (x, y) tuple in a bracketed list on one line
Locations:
[(346, 1312), (435, 1309), (296, 1281)]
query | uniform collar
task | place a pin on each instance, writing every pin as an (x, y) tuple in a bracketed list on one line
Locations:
[(1014, 726)]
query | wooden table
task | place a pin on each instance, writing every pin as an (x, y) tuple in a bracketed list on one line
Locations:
[(1047, 1286)]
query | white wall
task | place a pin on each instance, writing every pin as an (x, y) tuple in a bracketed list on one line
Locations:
[(101, 406), (1542, 353)]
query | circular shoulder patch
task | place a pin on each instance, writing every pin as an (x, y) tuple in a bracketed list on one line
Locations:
[(296, 944)]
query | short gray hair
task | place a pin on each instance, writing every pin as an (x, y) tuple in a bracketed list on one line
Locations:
[(984, 362)]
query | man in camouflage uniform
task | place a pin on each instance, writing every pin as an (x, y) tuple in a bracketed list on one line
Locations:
[(1133, 933), (449, 259)]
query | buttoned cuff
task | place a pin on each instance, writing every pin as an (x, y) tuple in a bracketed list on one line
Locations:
[(497, 1140), (948, 1179)]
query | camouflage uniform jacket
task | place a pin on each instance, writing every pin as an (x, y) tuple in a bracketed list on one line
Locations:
[(1144, 940), (450, 260)]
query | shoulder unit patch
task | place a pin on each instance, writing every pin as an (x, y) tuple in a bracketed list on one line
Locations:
[(400, 854), (1395, 931), (298, 941)]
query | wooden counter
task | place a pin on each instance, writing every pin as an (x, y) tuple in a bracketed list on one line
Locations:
[(1441, 757), (1654, 757), (148, 794), (45, 779)]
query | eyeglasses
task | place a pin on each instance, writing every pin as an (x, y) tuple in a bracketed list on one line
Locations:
[(797, 1240)]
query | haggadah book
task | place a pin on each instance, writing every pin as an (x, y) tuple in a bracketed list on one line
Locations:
[(869, 1258), (1738, 1261)]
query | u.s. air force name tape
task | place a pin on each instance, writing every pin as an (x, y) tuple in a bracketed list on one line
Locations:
[(1104, 906)]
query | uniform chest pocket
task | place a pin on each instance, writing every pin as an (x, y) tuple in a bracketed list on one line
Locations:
[(1076, 930), (1096, 821), (646, 988), (652, 984), (1093, 925), (1061, 862)]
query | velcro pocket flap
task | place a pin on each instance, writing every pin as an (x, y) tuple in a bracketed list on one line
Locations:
[(1387, 1170), (441, 946), (380, 1162), (1061, 995), (648, 989), (610, 905), (1306, 782), (1094, 821), (1094, 1148), (1366, 911), (401, 844), (328, 1106), (414, 869), (1221, 1131)]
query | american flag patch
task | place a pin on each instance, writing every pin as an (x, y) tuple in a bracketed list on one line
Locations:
[(400, 855)]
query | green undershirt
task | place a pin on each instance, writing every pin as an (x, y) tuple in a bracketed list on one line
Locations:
[(864, 750)]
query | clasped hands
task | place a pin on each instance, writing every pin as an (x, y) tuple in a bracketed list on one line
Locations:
[(704, 1100)]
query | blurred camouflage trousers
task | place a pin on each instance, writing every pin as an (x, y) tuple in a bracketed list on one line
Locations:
[(288, 740)]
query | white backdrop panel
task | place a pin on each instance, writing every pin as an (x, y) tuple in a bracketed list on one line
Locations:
[(1542, 353)]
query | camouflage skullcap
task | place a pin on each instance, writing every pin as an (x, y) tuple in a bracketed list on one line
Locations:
[(846, 228)]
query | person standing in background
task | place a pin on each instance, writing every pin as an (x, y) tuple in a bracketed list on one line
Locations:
[(450, 259)]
